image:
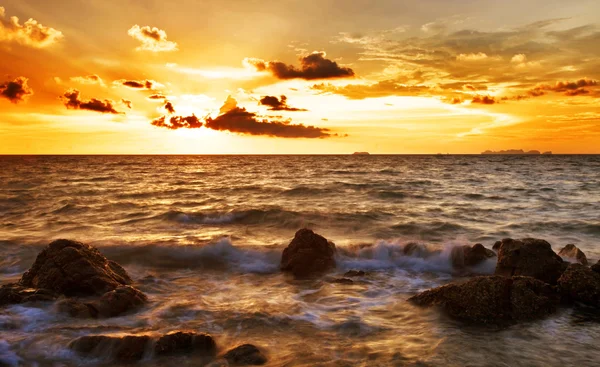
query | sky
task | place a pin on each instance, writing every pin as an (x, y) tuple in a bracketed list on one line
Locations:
[(299, 77)]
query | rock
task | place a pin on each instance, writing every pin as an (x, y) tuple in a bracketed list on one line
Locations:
[(462, 256), (355, 273), (573, 252), (580, 284), (73, 268), (529, 257), (497, 245), (246, 354), (185, 343), (415, 249), (15, 293), (308, 254), (492, 299), (122, 349), (342, 281), (596, 267), (76, 309), (119, 301)]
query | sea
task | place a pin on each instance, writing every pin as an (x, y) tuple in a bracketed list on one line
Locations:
[(202, 236)]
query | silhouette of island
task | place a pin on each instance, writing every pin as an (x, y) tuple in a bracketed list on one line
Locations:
[(516, 152)]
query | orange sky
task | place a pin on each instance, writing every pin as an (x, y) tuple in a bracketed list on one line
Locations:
[(333, 76)]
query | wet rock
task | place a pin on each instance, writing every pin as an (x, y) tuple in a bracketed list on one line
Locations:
[(462, 256), (308, 254), (76, 309), (529, 257), (119, 301), (573, 252), (185, 343), (244, 355), (14, 294), (122, 349), (497, 245), (580, 284), (355, 273), (73, 268), (493, 300), (342, 281)]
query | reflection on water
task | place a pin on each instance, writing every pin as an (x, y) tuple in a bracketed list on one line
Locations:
[(165, 218)]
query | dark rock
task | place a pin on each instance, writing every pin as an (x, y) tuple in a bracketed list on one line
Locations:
[(355, 273), (185, 343), (573, 252), (73, 268), (497, 245), (308, 254), (76, 309), (122, 349), (529, 257), (246, 354), (580, 284), (492, 299), (596, 267), (462, 256), (119, 301), (342, 281), (14, 293)]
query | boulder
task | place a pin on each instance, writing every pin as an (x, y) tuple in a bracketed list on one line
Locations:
[(119, 301), (462, 256), (186, 343), (596, 267), (129, 348), (493, 300), (15, 293), (497, 245), (573, 252), (529, 257), (580, 284), (73, 268), (355, 273), (75, 308), (244, 355), (308, 254)]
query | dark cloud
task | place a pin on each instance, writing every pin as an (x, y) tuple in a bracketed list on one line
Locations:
[(178, 122), (127, 103), (169, 107), (569, 88), (73, 102), (278, 104), (16, 91), (483, 100), (238, 120), (313, 66), (139, 84), (157, 97)]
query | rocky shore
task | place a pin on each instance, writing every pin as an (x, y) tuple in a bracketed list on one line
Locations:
[(531, 281)]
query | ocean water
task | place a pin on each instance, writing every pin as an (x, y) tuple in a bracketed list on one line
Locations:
[(203, 235)]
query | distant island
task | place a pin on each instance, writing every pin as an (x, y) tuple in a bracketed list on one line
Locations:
[(516, 152), (361, 153)]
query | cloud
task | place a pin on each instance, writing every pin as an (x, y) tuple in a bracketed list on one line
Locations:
[(16, 91), (169, 107), (127, 103), (31, 33), (139, 84), (519, 59), (569, 88), (483, 100), (380, 89), (238, 120), (152, 39), (88, 79), (157, 97), (472, 57), (313, 66), (178, 122), (73, 102), (278, 104)]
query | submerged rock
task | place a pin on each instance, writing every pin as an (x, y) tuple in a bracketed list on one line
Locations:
[(185, 343), (580, 284), (119, 301), (462, 256), (75, 308), (573, 252), (244, 355), (308, 254), (355, 273), (15, 293), (343, 281), (73, 268), (529, 257), (492, 299), (129, 348)]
